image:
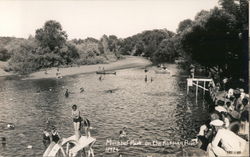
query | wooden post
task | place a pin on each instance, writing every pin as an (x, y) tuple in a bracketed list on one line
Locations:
[(204, 88), (196, 94)]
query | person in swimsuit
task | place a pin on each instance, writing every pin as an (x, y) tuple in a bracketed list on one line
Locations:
[(87, 127), (54, 135), (76, 120), (46, 138)]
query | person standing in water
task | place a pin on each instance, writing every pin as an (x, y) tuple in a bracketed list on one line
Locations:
[(66, 93), (76, 120)]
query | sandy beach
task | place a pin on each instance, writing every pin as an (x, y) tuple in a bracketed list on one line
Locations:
[(128, 62)]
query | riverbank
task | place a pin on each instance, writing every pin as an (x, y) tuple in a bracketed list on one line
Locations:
[(2, 72), (128, 62)]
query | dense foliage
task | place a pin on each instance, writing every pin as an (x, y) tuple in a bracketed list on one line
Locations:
[(50, 48), (218, 39), (149, 44)]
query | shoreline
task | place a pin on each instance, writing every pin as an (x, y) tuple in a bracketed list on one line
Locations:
[(127, 62)]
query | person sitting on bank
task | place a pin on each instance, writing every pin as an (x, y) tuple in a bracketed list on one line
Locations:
[(230, 143), (54, 135), (244, 125)]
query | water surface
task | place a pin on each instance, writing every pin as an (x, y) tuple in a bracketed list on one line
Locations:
[(157, 110)]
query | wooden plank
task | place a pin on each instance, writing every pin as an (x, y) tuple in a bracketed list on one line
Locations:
[(200, 86), (196, 94)]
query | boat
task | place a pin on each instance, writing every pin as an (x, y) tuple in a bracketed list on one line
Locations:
[(162, 71), (70, 146), (106, 72)]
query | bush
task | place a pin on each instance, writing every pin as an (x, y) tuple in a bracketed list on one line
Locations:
[(4, 54)]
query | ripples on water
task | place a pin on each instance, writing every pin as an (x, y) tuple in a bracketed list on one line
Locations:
[(155, 110)]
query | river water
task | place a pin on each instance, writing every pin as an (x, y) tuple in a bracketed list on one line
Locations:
[(151, 111)]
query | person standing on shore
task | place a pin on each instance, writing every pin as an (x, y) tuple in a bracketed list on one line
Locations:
[(191, 70)]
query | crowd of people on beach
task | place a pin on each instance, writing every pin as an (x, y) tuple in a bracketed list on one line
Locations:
[(226, 133)]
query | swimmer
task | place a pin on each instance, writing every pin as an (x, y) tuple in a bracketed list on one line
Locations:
[(4, 141), (54, 135), (66, 93), (10, 126), (146, 79), (46, 138), (151, 79), (123, 133), (81, 90), (100, 78)]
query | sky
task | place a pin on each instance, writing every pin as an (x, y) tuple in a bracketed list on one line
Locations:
[(94, 18)]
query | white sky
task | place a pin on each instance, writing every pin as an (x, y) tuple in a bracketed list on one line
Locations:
[(86, 18)]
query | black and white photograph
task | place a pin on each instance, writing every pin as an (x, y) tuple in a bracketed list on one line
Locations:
[(124, 78)]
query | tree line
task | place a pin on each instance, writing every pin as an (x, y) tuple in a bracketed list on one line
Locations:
[(216, 39)]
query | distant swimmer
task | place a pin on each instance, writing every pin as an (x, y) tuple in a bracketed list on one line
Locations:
[(4, 141), (66, 93), (145, 70), (81, 89), (123, 133), (100, 78), (11, 126), (146, 78), (151, 79)]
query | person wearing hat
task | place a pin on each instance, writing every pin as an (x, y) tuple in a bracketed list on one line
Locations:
[(230, 143)]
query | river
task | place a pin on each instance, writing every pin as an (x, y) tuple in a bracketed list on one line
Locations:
[(151, 111)]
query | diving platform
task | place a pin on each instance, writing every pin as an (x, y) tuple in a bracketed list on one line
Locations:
[(198, 83), (69, 147)]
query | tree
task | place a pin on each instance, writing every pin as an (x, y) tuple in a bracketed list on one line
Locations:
[(166, 51), (184, 25), (51, 35), (214, 41)]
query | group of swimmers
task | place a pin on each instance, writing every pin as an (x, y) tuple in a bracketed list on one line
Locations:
[(227, 131), (78, 124), (50, 135)]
